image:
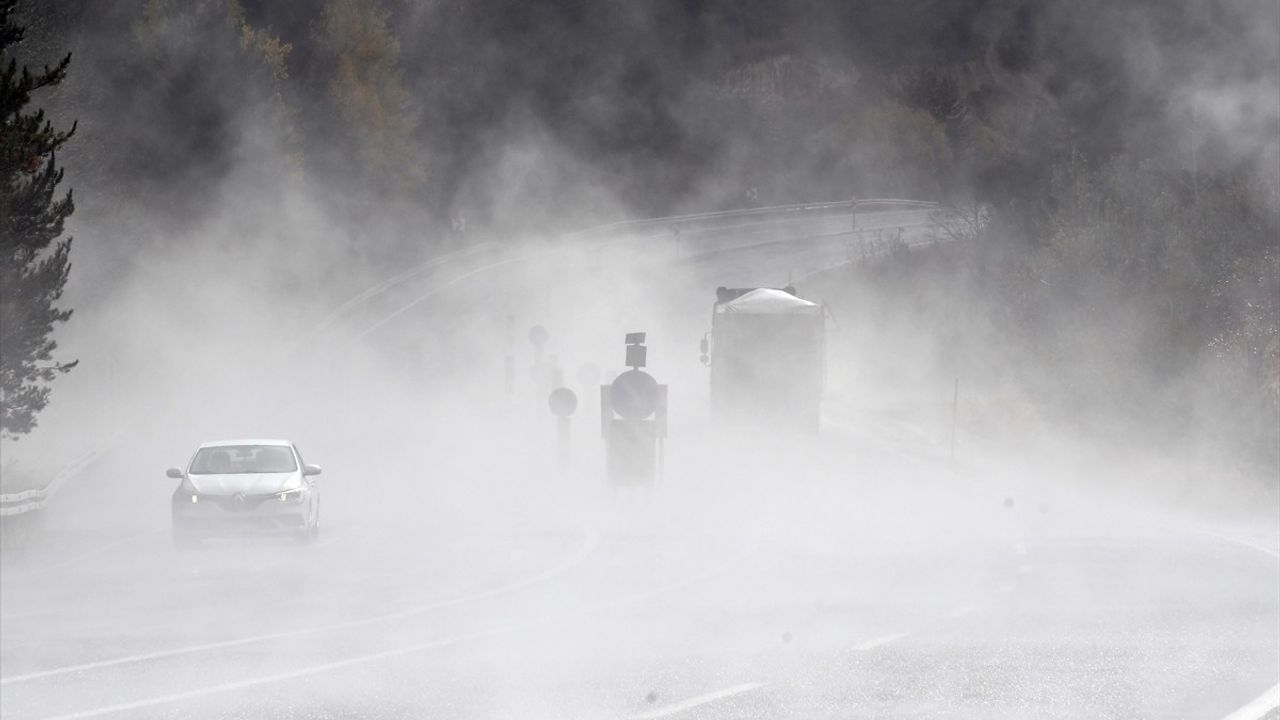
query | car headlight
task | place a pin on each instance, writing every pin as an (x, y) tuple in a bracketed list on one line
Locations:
[(290, 496)]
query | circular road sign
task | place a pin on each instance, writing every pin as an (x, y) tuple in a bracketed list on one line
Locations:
[(538, 335), (634, 394), (562, 402)]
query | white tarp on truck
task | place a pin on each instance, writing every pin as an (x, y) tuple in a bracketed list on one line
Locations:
[(767, 358), (768, 301)]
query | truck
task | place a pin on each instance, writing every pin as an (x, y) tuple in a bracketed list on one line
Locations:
[(766, 351)]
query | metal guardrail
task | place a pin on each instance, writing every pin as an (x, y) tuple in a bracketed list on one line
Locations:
[(36, 498), (797, 210), (689, 225)]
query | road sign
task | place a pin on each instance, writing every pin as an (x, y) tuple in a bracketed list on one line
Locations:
[(636, 351), (637, 356), (538, 336), (562, 402), (634, 395), (630, 458)]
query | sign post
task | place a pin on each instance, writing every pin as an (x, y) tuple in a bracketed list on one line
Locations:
[(509, 377), (562, 402), (509, 362), (538, 336), (633, 420), (955, 412)]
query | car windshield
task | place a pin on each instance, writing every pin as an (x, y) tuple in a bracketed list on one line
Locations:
[(238, 459)]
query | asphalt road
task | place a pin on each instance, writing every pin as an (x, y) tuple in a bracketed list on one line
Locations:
[(905, 592), (460, 574)]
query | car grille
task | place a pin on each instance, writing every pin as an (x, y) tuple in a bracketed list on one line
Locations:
[(239, 502)]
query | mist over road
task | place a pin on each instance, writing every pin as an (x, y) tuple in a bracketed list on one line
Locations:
[(459, 574), (547, 598)]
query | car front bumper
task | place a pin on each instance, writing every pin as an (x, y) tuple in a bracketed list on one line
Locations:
[(227, 515)]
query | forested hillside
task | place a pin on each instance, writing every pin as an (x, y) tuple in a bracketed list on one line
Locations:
[(1117, 164)]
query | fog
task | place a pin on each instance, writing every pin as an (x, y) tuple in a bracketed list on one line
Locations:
[(1020, 502)]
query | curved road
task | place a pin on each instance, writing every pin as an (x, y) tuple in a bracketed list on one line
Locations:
[(460, 575)]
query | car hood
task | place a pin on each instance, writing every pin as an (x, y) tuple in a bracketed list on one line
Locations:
[(247, 483)]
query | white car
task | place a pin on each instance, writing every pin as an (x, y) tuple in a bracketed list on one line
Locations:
[(245, 486)]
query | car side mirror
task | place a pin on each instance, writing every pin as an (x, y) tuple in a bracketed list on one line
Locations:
[(311, 469), (175, 473)]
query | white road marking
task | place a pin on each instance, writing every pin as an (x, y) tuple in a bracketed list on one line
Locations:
[(1025, 569), (877, 642), (278, 677), (1240, 541), (385, 654), (962, 611), (1260, 707), (588, 546), (1020, 549), (693, 702)]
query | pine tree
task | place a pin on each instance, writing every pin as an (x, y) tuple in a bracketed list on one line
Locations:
[(34, 262)]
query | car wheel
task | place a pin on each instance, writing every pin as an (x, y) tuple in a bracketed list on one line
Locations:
[(308, 534)]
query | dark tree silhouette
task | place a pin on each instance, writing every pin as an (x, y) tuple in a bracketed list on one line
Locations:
[(34, 263)]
